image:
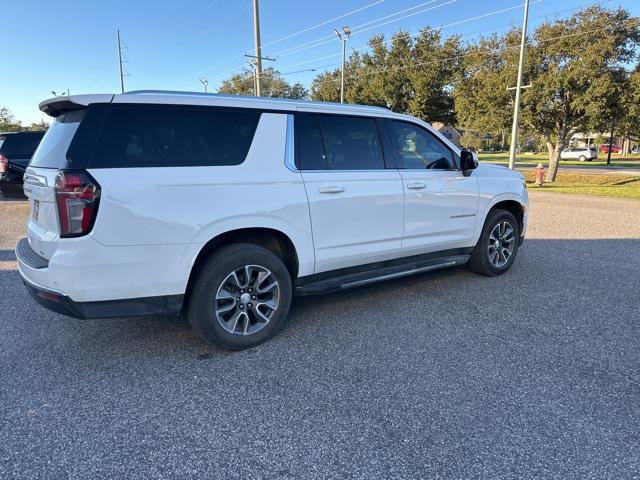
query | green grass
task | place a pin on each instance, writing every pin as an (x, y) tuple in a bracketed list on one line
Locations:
[(621, 186), (630, 161)]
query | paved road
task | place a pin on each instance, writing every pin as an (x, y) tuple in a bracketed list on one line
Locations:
[(449, 375)]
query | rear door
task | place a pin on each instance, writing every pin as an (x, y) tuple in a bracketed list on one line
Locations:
[(39, 182), (355, 202), (440, 202)]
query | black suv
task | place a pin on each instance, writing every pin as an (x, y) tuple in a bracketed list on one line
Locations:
[(16, 149)]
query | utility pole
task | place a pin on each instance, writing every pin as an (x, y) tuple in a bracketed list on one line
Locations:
[(343, 39), (516, 107), (204, 81), (258, 52), (120, 63), (255, 78)]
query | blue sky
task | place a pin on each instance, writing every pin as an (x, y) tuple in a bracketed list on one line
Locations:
[(70, 44)]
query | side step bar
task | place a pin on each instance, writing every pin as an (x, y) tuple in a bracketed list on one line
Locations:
[(360, 278)]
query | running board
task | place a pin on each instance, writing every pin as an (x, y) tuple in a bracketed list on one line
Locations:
[(351, 280)]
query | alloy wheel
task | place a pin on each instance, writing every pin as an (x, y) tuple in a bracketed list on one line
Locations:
[(502, 243), (247, 300)]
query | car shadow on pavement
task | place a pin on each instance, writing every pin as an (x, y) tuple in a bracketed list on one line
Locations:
[(547, 277)]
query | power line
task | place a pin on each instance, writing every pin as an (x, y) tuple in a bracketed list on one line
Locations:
[(322, 40), (197, 14), (240, 55), (360, 31), (218, 25), (407, 34), (467, 20), (326, 22)]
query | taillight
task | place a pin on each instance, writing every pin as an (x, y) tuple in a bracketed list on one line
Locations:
[(77, 197), (4, 164)]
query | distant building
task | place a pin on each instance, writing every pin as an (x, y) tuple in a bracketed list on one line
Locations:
[(449, 132), (588, 139)]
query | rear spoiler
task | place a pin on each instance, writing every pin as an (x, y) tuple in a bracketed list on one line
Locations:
[(55, 107)]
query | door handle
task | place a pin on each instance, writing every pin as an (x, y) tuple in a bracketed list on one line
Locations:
[(331, 189), (416, 186)]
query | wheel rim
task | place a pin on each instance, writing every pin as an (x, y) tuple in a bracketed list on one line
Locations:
[(247, 300), (502, 241)]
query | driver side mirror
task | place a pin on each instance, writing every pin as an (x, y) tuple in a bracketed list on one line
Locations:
[(467, 162)]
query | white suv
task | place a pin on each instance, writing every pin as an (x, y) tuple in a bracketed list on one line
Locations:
[(223, 207), (584, 154)]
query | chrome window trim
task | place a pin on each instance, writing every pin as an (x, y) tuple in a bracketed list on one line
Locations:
[(290, 145)]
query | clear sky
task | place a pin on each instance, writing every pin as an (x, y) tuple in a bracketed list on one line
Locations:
[(170, 44)]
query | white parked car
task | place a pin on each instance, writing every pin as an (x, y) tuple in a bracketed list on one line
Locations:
[(223, 207), (584, 154)]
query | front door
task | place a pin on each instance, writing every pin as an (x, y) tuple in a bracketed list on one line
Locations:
[(440, 202)]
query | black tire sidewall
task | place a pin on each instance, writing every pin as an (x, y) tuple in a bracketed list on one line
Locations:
[(479, 261), (201, 309)]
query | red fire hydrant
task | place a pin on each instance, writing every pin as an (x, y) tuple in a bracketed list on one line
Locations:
[(539, 175)]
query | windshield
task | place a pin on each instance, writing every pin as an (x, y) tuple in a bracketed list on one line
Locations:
[(52, 151)]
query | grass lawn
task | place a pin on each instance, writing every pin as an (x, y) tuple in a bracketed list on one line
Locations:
[(623, 186), (630, 161)]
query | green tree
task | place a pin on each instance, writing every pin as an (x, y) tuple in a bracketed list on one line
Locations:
[(41, 125), (630, 101), (273, 85), (578, 73), (482, 101), (437, 64), (405, 74), (8, 122)]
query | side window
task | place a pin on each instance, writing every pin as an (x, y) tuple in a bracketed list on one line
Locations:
[(134, 136), (310, 148), (416, 148), (351, 143)]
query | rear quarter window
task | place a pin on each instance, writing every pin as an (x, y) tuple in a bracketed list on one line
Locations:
[(52, 150), (168, 136)]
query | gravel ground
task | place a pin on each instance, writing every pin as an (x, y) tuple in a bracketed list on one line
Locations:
[(447, 375)]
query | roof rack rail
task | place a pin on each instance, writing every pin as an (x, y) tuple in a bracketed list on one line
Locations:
[(253, 98)]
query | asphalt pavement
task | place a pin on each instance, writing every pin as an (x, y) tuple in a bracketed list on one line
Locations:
[(535, 374)]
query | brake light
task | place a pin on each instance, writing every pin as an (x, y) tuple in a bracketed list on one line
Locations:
[(4, 164), (77, 198)]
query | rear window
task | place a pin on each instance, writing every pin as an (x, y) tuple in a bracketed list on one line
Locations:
[(52, 151), (152, 136), (20, 145)]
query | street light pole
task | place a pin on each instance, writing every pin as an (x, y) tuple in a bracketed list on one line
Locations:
[(516, 107), (343, 39)]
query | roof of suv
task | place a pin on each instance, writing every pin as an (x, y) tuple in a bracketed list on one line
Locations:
[(57, 106)]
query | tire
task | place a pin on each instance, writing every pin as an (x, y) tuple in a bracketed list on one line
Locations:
[(582, 158), (253, 316), (482, 257)]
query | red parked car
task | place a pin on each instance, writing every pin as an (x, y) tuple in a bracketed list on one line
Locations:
[(614, 149)]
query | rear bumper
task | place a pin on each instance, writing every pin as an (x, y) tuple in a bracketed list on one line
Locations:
[(56, 286), (61, 303)]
